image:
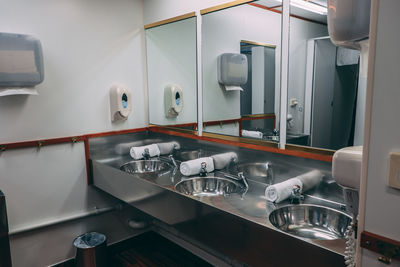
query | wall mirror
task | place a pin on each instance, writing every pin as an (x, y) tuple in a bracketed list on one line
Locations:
[(241, 70), (322, 82), (172, 71)]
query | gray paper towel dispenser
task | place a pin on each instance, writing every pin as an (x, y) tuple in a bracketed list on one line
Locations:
[(232, 69), (21, 60)]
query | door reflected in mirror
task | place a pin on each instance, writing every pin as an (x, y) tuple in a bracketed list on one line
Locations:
[(323, 82), (172, 73), (241, 70), (260, 95)]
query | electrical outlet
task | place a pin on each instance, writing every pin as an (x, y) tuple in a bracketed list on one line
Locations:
[(394, 170)]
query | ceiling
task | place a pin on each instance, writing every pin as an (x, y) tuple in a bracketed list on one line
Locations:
[(299, 11)]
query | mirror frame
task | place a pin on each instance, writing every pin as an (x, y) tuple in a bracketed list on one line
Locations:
[(277, 147), (161, 23)]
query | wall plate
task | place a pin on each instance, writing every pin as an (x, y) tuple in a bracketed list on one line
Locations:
[(394, 170)]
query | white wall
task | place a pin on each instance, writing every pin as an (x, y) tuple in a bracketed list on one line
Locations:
[(87, 46), (171, 59), (381, 202), (46, 185), (156, 10)]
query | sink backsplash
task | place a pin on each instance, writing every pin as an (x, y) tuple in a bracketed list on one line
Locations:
[(284, 166)]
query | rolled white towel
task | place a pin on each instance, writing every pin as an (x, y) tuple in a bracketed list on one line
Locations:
[(223, 159), (192, 167), (281, 191), (252, 134), (137, 152), (124, 148), (310, 179), (167, 147)]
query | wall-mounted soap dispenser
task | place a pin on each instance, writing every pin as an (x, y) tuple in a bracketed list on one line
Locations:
[(173, 100), (120, 102)]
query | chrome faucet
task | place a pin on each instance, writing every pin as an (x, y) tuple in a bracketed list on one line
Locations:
[(171, 158), (240, 176), (146, 154), (203, 170), (296, 196), (230, 166)]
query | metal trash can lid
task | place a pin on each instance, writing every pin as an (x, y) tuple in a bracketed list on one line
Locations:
[(89, 240)]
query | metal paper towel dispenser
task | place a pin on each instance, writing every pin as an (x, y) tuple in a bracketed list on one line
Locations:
[(232, 69), (21, 60), (348, 22)]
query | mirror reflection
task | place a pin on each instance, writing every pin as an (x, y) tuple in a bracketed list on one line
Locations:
[(323, 82), (172, 73), (241, 70)]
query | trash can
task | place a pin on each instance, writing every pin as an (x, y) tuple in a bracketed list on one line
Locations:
[(91, 250)]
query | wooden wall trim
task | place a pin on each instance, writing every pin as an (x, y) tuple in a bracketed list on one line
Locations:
[(41, 142), (170, 20), (234, 141), (224, 6), (302, 154), (380, 244), (221, 122), (135, 130), (71, 139), (61, 140)]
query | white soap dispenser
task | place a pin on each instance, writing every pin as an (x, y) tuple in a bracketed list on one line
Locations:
[(173, 100), (120, 102)]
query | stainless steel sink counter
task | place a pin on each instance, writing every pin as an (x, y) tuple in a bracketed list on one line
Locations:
[(156, 193)]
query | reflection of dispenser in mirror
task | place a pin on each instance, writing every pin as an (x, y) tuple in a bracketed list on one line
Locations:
[(173, 100), (232, 71), (120, 102)]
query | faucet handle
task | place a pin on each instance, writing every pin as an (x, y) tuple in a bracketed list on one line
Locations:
[(172, 159), (243, 178), (146, 153), (203, 169), (296, 195), (296, 189)]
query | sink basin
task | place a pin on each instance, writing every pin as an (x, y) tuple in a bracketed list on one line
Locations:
[(310, 221), (208, 186), (151, 166), (260, 172)]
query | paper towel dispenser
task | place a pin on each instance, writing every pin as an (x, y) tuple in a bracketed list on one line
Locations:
[(348, 22), (21, 60), (232, 70)]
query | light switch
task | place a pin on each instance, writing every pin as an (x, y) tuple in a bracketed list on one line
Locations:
[(394, 170)]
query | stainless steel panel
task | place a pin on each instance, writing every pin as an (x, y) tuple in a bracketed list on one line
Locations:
[(236, 219)]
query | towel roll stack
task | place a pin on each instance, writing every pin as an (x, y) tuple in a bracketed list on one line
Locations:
[(167, 147), (222, 160), (192, 167), (252, 134), (281, 191), (125, 148), (139, 151)]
